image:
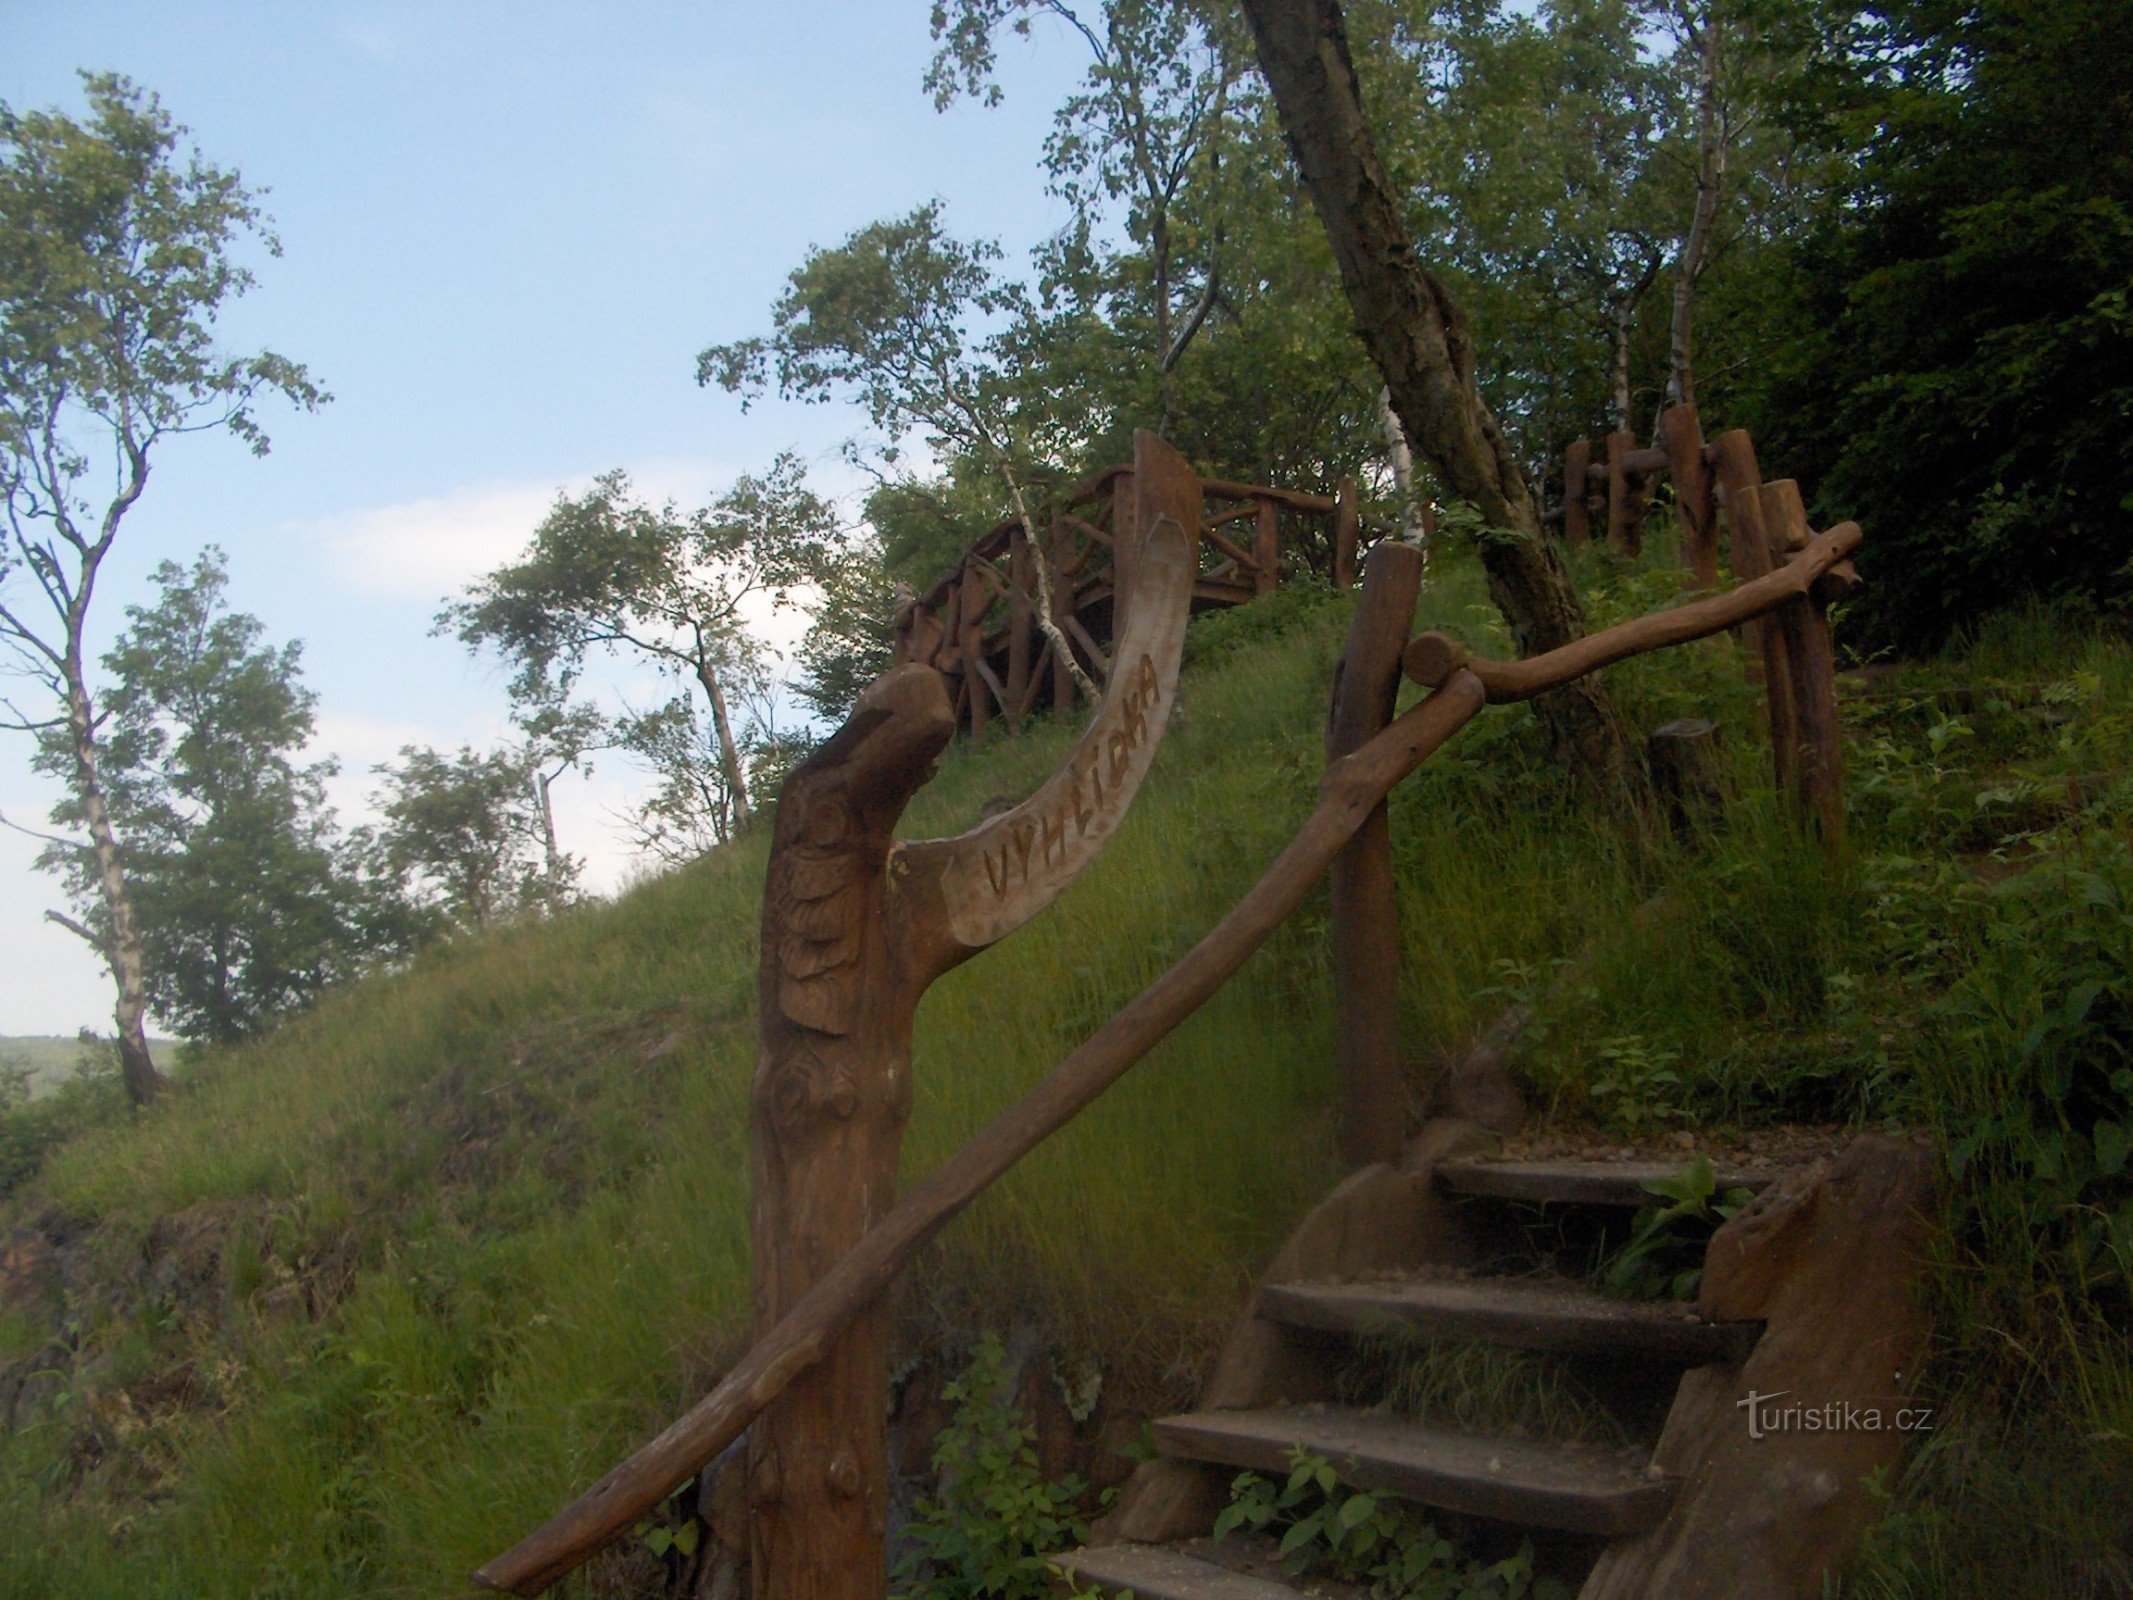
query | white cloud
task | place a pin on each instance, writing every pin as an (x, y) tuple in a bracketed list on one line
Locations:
[(433, 547)]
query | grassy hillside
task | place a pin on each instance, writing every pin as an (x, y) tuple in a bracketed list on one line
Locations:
[(361, 1303)]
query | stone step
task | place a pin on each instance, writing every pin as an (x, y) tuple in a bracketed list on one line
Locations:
[(1535, 1484), (1157, 1572), (1524, 1313), (1579, 1183)]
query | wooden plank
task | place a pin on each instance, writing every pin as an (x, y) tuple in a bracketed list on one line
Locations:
[(1297, 499), (1534, 1484), (1577, 523), (1161, 1573), (1266, 548), (1576, 1183), (1683, 439), (1372, 1092), (1521, 1313)]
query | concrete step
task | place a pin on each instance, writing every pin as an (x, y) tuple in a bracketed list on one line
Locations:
[(1535, 1484), (1157, 1572), (1525, 1313), (1579, 1183)]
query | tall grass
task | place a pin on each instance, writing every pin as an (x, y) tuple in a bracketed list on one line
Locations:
[(361, 1302)]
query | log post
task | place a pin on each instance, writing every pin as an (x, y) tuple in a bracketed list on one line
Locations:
[(971, 620), (1577, 473), (856, 926), (1366, 915), (1625, 520), (1804, 623), (1021, 622), (1266, 546), (1347, 532), (1682, 437), (1683, 757), (1062, 609), (1739, 493)]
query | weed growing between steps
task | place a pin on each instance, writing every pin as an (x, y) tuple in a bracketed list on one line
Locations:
[(994, 1522), (1326, 1527), (1663, 1259)]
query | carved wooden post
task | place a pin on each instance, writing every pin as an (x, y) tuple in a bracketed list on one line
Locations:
[(1804, 624), (1625, 513), (1739, 485), (1366, 913), (855, 928), (1266, 546), (1682, 437), (1577, 483), (1347, 532)]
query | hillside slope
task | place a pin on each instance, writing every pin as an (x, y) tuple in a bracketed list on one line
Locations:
[(363, 1302)]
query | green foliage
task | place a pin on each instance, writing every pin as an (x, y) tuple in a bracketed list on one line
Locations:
[(1957, 378), (993, 1524), (1323, 1525), (459, 840), (610, 575), (1664, 1255), (243, 908)]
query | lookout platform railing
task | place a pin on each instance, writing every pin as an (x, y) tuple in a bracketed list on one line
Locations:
[(979, 625), (857, 924)]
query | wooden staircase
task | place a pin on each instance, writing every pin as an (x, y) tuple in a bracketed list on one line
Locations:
[(1451, 1256)]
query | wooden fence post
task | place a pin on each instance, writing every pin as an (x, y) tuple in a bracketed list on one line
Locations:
[(1347, 531), (1819, 761), (1739, 492), (1266, 546), (1577, 483), (1021, 624), (971, 618), (1625, 511), (1366, 914), (1682, 437)]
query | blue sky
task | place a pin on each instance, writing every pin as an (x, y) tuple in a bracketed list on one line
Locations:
[(507, 230)]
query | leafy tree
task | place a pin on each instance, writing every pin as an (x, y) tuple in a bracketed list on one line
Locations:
[(461, 838), (115, 261), (1958, 371), (230, 848), (608, 574), (849, 641)]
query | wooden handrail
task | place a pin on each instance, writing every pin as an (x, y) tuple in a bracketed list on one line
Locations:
[(1349, 791), (1433, 658), (1352, 787)]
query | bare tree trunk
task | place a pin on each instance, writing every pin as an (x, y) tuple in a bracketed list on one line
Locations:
[(729, 753), (1696, 248), (552, 853), (123, 950), (1424, 350), (1625, 315), (1413, 525)]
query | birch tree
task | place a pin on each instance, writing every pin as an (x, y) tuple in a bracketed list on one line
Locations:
[(116, 257)]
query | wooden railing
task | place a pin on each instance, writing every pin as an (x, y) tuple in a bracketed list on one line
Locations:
[(856, 926), (981, 627)]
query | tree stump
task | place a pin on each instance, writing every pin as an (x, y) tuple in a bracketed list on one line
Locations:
[(1683, 756)]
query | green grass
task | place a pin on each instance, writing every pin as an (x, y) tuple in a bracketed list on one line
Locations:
[(47, 1060), (360, 1303)]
